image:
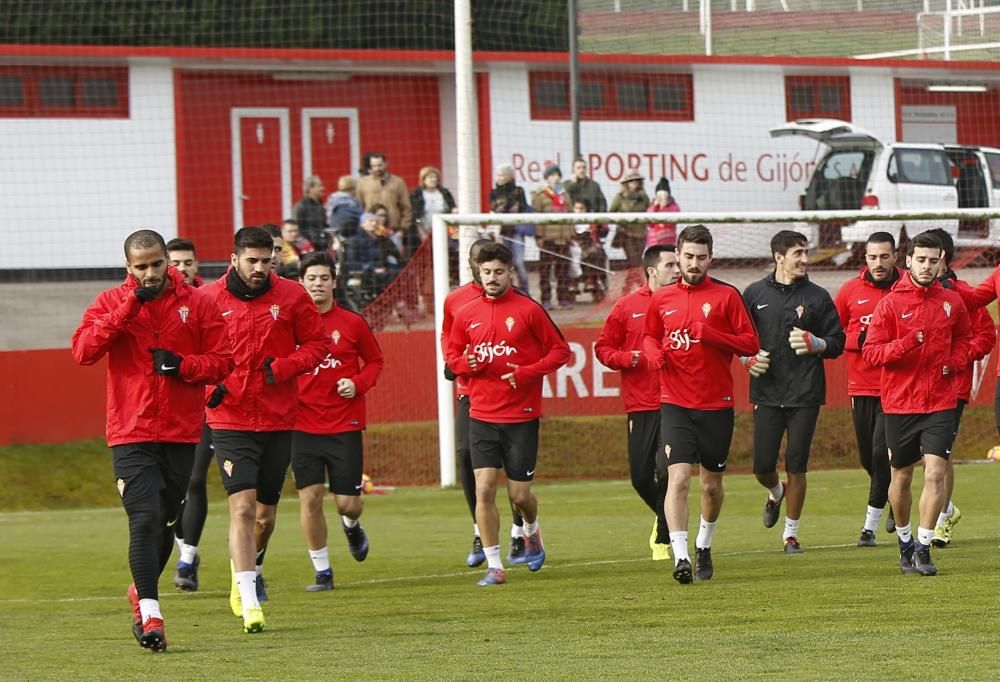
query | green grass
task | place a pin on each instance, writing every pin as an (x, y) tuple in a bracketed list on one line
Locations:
[(598, 610)]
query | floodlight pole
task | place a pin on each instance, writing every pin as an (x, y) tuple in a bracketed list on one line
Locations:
[(574, 78)]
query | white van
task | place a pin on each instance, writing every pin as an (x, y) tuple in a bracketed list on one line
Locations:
[(862, 172)]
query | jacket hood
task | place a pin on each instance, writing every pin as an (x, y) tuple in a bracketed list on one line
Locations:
[(772, 281)]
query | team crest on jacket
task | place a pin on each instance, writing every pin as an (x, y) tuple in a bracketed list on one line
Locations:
[(707, 308), (799, 309), (510, 323), (335, 335), (227, 466), (121, 487), (947, 308), (275, 311), (184, 311)]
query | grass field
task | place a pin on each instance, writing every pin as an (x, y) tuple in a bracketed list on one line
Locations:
[(599, 609)]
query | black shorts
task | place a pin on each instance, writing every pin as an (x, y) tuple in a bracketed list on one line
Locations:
[(253, 460), (910, 436), (341, 456), (511, 447), (144, 470), (696, 436), (462, 424), (644, 442), (769, 426)]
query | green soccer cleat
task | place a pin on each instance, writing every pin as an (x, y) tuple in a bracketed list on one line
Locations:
[(253, 620)]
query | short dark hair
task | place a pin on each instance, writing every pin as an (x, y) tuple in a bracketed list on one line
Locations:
[(696, 234), (947, 244), (651, 257), (180, 244), (251, 238), (272, 230), (144, 239), (585, 202), (313, 259), (882, 238), (924, 240), (494, 251), (290, 221), (378, 207), (787, 239), (477, 246), (374, 155)]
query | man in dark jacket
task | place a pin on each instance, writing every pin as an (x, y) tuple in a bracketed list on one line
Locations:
[(798, 327), (579, 186), (310, 213)]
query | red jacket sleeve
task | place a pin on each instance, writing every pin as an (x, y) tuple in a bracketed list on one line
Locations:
[(983, 294), (652, 336), (608, 348), (446, 324), (840, 303), (984, 333), (961, 341), (455, 356), (371, 354), (102, 322), (743, 340), (881, 345), (311, 339), (215, 361), (557, 355)]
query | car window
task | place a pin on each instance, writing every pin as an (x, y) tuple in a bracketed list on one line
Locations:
[(843, 164), (920, 167), (994, 162)]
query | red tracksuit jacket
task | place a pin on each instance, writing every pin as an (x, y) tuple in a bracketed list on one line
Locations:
[(692, 334), (452, 303), (282, 323), (984, 294), (984, 335), (351, 343), (855, 304), (622, 334), (510, 333), (912, 378), (144, 406)]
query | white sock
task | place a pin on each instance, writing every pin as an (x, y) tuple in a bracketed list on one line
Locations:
[(475, 529), (705, 532), (349, 523), (188, 553), (493, 557), (320, 559), (258, 571), (777, 492), (179, 541), (246, 582), (518, 531), (905, 534), (679, 543), (791, 529), (872, 516), (530, 528), (950, 509), (924, 536), (149, 608)]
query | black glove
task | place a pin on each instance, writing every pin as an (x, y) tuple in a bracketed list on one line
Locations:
[(448, 374), (268, 372), (862, 337), (165, 362), (146, 294), (215, 399)]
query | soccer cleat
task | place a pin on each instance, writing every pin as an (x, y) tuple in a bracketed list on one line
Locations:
[(534, 552), (133, 598), (235, 601), (324, 582), (890, 522), (941, 536), (867, 538), (703, 568), (652, 536), (682, 572), (357, 541), (261, 588), (516, 555), (152, 635), (494, 576), (476, 555), (906, 559), (253, 620), (186, 578), (661, 551), (772, 509), (922, 563), (792, 546)]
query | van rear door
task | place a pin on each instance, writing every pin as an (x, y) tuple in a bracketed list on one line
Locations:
[(829, 131)]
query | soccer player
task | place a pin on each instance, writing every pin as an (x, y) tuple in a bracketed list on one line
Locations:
[(919, 335), (182, 256), (984, 335), (693, 330), (452, 303), (164, 340), (620, 347), (798, 327), (506, 343), (855, 304), (277, 334), (327, 441)]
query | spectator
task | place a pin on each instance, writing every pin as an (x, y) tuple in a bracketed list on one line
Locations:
[(593, 261), (295, 246), (343, 207), (379, 187), (581, 187), (553, 240), (507, 197), (631, 236), (428, 200), (310, 214), (663, 202), (373, 256)]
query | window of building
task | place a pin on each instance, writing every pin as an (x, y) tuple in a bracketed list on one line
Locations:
[(614, 96), (61, 92), (818, 97)]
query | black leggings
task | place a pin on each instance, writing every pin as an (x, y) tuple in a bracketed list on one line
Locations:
[(194, 510)]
